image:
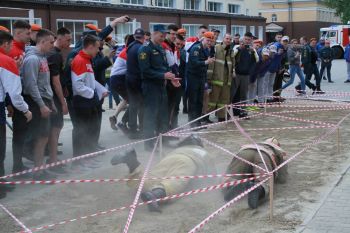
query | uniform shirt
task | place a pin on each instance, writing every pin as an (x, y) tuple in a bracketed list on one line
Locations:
[(10, 82), (83, 79), (196, 62), (17, 49), (133, 73), (326, 54), (153, 63)]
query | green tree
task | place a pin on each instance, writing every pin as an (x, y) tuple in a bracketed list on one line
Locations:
[(342, 8)]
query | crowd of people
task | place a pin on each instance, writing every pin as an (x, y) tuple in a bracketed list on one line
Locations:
[(148, 77)]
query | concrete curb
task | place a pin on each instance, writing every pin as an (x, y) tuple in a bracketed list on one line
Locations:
[(335, 184)]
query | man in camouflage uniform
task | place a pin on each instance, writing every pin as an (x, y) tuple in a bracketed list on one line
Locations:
[(219, 76), (272, 154), (189, 159)]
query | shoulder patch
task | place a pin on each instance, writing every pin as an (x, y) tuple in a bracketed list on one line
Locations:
[(195, 53), (143, 55)]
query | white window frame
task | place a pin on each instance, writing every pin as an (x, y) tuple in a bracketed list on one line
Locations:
[(151, 24), (243, 27), (239, 9), (93, 21), (185, 25), (219, 3), (123, 3), (173, 5), (13, 19), (261, 32), (252, 30), (199, 5), (274, 17), (219, 27), (119, 37)]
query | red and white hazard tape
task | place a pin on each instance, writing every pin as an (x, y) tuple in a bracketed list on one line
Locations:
[(26, 229), (228, 204), (315, 142), (281, 105), (233, 154), (258, 129), (46, 166), (139, 190), (175, 196), (300, 119), (45, 182)]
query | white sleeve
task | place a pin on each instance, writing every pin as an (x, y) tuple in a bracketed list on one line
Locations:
[(12, 85), (79, 86), (100, 90)]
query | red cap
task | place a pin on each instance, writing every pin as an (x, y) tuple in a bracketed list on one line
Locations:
[(209, 35), (92, 27), (35, 27), (5, 29)]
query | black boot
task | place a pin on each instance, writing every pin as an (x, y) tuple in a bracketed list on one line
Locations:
[(221, 119), (128, 157), (7, 187), (152, 196), (255, 196), (206, 120), (2, 193), (234, 191)]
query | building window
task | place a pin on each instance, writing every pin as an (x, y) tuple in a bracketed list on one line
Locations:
[(261, 32), (191, 29), (8, 21), (238, 29), (132, 2), (164, 3), (151, 26), (192, 4), (252, 30), (221, 28), (215, 6), (234, 8), (77, 27), (274, 18)]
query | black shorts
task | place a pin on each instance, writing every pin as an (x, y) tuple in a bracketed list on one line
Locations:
[(118, 84), (2, 114), (38, 127), (57, 117)]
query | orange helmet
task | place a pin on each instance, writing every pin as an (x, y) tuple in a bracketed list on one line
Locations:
[(35, 27), (209, 35), (5, 29), (93, 27), (181, 31)]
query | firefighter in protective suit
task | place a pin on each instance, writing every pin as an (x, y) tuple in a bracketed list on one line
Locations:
[(190, 158), (219, 76), (273, 156)]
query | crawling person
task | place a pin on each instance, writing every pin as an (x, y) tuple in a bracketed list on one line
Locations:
[(189, 159), (273, 156)]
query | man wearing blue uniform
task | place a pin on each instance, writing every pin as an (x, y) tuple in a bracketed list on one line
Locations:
[(154, 73), (197, 74)]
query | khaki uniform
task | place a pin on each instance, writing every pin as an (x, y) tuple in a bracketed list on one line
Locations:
[(273, 156), (219, 74), (185, 161)]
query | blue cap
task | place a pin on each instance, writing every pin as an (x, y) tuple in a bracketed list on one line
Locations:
[(159, 28)]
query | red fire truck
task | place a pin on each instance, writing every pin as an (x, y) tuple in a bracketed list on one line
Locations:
[(338, 35)]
